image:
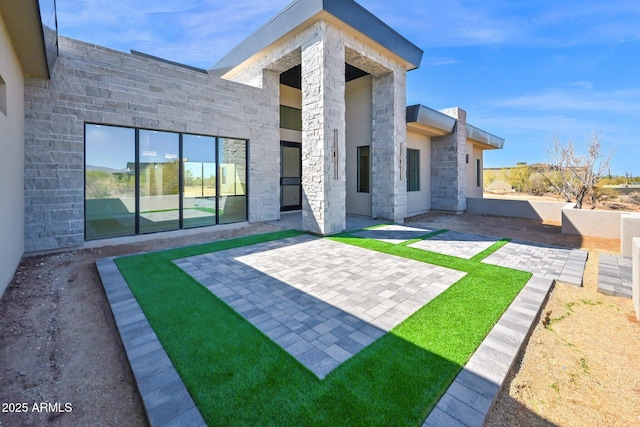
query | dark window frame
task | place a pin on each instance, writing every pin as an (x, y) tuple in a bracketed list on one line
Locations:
[(363, 184), (137, 231), (413, 170)]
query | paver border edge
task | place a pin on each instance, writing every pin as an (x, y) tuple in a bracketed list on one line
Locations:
[(157, 383), (475, 389)]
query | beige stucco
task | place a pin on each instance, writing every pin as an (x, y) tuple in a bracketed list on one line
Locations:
[(475, 153), (419, 202), (358, 133), (11, 161)]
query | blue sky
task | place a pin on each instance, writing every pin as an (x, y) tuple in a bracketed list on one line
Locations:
[(524, 70)]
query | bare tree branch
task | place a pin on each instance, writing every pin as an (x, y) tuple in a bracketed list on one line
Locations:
[(573, 175)]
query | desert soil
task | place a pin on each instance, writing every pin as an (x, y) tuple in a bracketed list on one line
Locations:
[(59, 343)]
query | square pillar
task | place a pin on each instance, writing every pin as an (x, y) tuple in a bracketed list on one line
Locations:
[(323, 133), (448, 166), (388, 163)]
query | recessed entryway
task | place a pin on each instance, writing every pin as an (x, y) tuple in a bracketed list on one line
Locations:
[(290, 176)]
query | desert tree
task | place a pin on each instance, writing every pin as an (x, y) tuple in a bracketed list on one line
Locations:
[(574, 175)]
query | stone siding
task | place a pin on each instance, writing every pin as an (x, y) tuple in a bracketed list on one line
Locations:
[(323, 196), (448, 164), (92, 84), (323, 117)]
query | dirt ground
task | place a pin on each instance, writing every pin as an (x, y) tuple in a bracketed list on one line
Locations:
[(59, 343)]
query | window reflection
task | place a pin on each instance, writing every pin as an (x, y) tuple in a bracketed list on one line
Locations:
[(199, 177), (233, 180), (206, 186), (110, 191), (159, 181)]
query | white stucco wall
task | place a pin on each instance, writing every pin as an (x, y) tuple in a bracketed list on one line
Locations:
[(419, 202), (358, 98), (11, 161), (475, 154)]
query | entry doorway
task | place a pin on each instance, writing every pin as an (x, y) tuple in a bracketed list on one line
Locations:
[(290, 176)]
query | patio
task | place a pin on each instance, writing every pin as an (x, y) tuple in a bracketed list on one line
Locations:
[(305, 307)]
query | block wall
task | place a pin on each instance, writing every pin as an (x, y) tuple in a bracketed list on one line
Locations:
[(99, 85)]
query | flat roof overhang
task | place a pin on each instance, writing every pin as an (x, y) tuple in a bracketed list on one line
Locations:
[(427, 121), (24, 25), (483, 138), (301, 13)]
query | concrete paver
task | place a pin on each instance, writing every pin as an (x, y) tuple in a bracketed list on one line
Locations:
[(394, 233), (325, 300), (456, 243), (333, 303), (615, 275), (555, 263)]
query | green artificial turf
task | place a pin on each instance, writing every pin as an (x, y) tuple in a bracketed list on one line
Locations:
[(238, 376)]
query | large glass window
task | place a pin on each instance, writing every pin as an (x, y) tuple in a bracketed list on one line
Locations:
[(159, 181), (199, 177), (110, 185), (233, 180), (143, 181), (413, 170), (364, 169)]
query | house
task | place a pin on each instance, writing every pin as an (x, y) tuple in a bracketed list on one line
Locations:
[(308, 113)]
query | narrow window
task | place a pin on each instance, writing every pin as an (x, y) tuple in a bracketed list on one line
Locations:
[(478, 173), (3, 96), (413, 170), (364, 169)]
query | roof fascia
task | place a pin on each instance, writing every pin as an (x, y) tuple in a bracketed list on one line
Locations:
[(24, 25), (301, 12)]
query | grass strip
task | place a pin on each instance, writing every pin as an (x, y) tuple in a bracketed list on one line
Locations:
[(490, 250), (238, 376), (426, 236)]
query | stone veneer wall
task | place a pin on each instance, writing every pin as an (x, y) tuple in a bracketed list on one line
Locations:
[(448, 174), (99, 85), (323, 112), (325, 211), (388, 157)]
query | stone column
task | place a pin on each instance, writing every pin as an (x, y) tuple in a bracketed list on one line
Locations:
[(323, 133), (448, 171), (388, 168)]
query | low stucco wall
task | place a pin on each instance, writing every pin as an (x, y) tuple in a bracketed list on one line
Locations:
[(587, 222), (543, 211), (583, 222), (636, 276), (630, 229)]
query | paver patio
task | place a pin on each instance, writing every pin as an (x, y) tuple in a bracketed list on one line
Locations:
[(456, 243), (323, 301), (555, 263), (320, 300), (394, 233)]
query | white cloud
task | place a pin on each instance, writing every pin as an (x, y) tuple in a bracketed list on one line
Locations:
[(621, 101), (196, 32)]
